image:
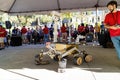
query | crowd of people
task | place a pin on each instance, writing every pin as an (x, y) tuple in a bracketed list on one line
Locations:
[(31, 35), (42, 34)]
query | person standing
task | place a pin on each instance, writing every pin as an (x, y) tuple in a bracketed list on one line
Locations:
[(29, 36), (97, 31), (81, 29), (24, 31), (2, 36), (51, 30), (46, 34), (64, 33), (112, 23)]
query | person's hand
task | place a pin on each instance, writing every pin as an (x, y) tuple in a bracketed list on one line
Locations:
[(114, 27)]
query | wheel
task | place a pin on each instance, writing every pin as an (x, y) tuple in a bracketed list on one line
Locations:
[(56, 57), (37, 59), (78, 60), (88, 58)]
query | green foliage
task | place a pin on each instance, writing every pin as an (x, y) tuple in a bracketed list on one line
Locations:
[(45, 19)]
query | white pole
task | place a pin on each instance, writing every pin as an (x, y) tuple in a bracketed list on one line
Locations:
[(55, 30), (55, 16)]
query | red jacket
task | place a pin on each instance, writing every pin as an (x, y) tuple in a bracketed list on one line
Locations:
[(46, 30), (3, 32), (63, 29), (81, 29), (23, 30), (112, 19)]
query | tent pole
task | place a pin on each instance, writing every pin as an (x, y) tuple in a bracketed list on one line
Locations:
[(56, 17), (96, 6), (96, 14)]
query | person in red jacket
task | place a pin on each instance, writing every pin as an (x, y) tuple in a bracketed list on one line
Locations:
[(2, 36), (24, 33), (46, 33), (64, 33), (112, 23), (81, 29)]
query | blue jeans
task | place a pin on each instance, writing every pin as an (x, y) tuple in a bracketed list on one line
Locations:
[(116, 42), (46, 38)]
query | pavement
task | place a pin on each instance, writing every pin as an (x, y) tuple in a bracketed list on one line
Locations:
[(17, 63)]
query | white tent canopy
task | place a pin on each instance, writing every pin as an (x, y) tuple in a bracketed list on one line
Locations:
[(28, 6)]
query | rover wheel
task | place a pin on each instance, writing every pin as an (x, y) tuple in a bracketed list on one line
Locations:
[(88, 58), (78, 60)]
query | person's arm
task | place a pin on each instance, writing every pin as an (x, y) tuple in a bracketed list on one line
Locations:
[(111, 27), (106, 23)]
